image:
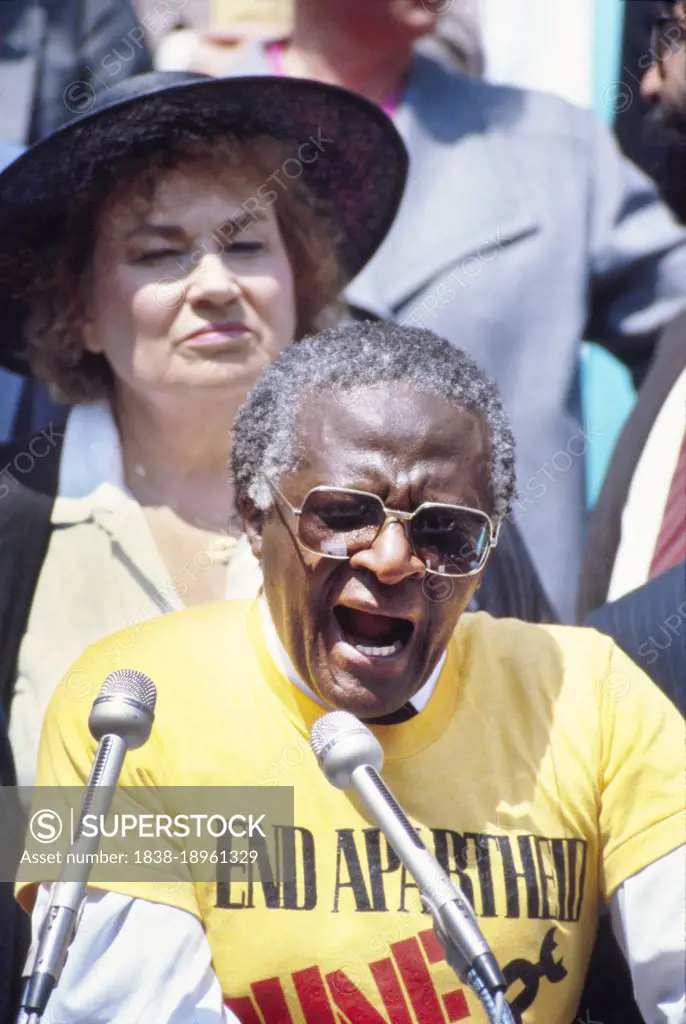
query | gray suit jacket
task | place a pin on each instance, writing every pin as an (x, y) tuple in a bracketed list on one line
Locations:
[(522, 231)]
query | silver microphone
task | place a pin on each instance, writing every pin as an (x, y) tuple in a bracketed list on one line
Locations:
[(121, 719), (351, 757)]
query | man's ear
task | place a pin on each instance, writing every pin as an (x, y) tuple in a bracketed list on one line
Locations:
[(253, 524)]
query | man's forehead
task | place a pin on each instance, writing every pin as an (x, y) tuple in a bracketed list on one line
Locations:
[(395, 417)]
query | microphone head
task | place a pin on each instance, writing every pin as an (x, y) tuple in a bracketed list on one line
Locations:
[(341, 743), (125, 707)]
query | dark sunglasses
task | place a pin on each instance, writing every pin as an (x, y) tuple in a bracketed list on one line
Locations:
[(337, 522), (667, 37)]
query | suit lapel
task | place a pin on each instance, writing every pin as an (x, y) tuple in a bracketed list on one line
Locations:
[(668, 364), (604, 530)]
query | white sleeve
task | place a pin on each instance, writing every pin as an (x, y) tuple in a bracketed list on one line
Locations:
[(133, 961), (648, 914)]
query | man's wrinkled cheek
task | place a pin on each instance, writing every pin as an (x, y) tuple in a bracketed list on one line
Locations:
[(279, 561)]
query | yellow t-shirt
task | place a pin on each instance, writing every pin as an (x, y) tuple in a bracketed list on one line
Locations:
[(545, 770)]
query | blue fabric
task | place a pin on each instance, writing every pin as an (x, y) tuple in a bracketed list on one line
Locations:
[(607, 391), (608, 397), (10, 395), (25, 407), (8, 152)]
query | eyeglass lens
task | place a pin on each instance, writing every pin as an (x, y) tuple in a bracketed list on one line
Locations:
[(448, 540)]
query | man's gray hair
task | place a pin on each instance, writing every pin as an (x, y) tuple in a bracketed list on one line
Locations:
[(345, 359)]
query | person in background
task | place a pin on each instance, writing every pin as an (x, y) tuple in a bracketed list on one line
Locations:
[(636, 542), (523, 229), (636, 56), (156, 288), (664, 88), (367, 461), (211, 33), (638, 528), (55, 57)]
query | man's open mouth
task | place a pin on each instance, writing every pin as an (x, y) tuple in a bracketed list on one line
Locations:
[(376, 636)]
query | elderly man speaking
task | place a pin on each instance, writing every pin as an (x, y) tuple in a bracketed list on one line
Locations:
[(373, 466)]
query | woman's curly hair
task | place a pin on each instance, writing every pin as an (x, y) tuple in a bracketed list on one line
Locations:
[(54, 330)]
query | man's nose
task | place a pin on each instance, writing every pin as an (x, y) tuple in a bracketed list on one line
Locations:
[(651, 84), (212, 281), (390, 557)]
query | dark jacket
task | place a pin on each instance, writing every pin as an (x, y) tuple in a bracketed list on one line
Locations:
[(56, 54), (14, 923), (24, 532), (649, 624), (605, 526)]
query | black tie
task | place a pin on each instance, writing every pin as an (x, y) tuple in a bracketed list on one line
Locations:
[(403, 714)]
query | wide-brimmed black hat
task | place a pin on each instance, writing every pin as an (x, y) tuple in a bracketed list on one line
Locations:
[(350, 156)]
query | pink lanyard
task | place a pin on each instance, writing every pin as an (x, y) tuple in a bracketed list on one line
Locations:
[(275, 52)]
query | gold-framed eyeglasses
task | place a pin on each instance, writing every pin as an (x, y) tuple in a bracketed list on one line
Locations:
[(338, 522)]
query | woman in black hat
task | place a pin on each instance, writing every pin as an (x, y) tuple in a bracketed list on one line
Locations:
[(155, 255)]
